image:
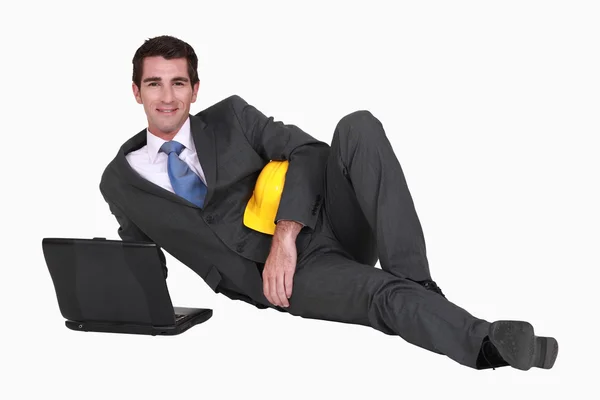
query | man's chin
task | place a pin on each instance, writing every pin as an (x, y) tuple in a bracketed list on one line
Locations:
[(167, 129)]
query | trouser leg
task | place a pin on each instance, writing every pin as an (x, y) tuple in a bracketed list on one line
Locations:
[(330, 286), (368, 203)]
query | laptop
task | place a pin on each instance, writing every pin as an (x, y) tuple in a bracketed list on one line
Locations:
[(115, 286)]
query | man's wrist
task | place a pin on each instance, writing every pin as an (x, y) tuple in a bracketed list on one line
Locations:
[(287, 229)]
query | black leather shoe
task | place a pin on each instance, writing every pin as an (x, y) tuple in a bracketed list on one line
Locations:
[(489, 357), (516, 344), (431, 285)]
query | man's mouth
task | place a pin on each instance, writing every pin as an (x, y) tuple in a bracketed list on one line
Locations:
[(167, 110)]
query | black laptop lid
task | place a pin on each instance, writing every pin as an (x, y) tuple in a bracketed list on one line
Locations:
[(108, 281)]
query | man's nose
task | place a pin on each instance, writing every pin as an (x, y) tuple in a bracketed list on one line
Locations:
[(167, 94)]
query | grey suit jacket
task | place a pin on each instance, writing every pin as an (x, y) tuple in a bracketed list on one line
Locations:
[(234, 141)]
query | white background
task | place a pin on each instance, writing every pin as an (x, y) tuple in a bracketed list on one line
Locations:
[(492, 109)]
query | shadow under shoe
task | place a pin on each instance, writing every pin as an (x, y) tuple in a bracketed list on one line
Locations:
[(514, 343)]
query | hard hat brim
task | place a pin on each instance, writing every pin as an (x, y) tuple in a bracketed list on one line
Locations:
[(254, 222)]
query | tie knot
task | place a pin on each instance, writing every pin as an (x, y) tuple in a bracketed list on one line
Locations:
[(172, 146)]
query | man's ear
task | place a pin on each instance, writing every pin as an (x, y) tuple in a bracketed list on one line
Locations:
[(195, 91), (136, 92)]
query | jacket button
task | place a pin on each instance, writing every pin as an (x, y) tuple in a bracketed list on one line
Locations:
[(209, 219), (240, 248)]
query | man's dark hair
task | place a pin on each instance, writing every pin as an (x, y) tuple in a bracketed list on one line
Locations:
[(168, 47)]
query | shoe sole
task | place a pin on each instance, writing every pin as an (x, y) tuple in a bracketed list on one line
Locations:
[(518, 345)]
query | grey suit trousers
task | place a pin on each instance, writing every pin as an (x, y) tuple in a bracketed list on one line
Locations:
[(368, 214)]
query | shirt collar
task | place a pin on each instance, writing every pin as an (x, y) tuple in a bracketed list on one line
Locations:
[(183, 136)]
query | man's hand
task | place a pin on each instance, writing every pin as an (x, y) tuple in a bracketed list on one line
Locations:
[(278, 273)]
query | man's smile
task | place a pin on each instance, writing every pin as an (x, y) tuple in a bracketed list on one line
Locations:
[(167, 111)]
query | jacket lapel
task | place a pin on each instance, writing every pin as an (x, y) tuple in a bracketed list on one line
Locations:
[(203, 138)]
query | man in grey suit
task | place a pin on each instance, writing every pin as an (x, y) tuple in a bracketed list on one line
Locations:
[(184, 182)]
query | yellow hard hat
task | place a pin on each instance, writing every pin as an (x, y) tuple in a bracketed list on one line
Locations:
[(263, 205)]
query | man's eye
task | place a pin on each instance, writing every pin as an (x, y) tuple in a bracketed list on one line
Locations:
[(153, 84), (179, 83)]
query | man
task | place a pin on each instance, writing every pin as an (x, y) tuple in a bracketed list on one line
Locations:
[(184, 182)]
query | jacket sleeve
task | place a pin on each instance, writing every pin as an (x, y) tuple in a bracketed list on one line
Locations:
[(302, 194), (128, 231)]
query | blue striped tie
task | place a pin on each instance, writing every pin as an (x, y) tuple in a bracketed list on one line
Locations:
[(184, 181)]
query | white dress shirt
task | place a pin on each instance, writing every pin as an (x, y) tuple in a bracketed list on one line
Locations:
[(151, 163)]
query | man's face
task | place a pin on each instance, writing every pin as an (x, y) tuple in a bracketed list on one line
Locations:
[(166, 94)]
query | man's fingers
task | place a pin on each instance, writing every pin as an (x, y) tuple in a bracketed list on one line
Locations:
[(289, 283), (273, 291), (268, 289), (281, 288)]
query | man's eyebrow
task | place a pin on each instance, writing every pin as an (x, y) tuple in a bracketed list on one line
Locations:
[(159, 79), (152, 79)]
